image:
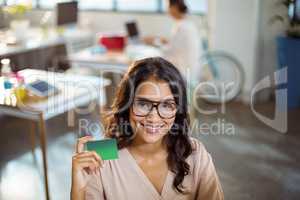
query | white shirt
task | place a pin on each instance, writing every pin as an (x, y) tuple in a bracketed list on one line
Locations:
[(184, 49)]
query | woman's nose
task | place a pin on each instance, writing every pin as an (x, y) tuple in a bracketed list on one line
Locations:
[(154, 115)]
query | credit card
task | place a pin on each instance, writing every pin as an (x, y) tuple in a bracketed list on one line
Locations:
[(107, 148)]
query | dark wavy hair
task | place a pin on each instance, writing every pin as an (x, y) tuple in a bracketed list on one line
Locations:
[(177, 140), (182, 7)]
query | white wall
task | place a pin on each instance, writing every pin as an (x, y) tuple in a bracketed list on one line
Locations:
[(234, 29)]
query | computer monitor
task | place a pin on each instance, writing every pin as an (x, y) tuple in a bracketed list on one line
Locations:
[(132, 30), (67, 13)]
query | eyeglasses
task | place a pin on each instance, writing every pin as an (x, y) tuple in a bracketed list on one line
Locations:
[(165, 109)]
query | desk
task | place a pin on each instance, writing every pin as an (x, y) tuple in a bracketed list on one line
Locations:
[(113, 60), (75, 91), (43, 50)]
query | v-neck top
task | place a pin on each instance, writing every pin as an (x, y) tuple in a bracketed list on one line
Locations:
[(123, 179)]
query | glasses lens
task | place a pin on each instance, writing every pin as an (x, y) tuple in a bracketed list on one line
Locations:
[(167, 109), (142, 108)]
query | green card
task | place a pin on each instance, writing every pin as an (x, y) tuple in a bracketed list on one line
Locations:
[(107, 148)]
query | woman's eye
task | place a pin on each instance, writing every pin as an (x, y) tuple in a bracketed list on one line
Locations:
[(143, 104), (169, 106)]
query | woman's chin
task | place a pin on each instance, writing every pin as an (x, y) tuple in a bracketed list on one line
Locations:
[(150, 137), (151, 134)]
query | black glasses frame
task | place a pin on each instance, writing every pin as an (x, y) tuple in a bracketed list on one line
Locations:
[(154, 104)]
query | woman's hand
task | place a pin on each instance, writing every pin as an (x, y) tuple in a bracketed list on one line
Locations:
[(156, 41), (84, 163), (149, 40), (164, 40)]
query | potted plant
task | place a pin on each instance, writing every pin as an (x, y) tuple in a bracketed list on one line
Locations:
[(287, 16), (19, 24)]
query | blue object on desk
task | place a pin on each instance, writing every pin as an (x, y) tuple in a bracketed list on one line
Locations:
[(289, 56), (99, 49), (7, 85)]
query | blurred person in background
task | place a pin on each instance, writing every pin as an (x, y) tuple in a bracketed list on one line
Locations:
[(183, 47)]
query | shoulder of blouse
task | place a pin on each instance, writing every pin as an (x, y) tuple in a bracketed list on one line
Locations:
[(197, 145), (199, 157)]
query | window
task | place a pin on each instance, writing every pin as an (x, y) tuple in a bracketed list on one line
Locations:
[(83, 4), (27, 2), (96, 4), (48, 4), (137, 5), (13, 2), (195, 6)]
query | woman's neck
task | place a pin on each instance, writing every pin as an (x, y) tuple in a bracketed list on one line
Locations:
[(146, 149), (180, 17)]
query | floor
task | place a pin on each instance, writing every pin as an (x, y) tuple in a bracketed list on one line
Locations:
[(252, 160), (255, 162)]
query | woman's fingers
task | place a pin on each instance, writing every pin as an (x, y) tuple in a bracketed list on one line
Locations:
[(87, 157), (86, 163), (91, 164), (88, 166), (86, 160), (81, 142), (89, 154), (99, 162)]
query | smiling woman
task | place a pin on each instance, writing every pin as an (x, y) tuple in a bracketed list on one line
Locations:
[(150, 121)]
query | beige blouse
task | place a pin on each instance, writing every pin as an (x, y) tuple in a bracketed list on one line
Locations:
[(123, 179)]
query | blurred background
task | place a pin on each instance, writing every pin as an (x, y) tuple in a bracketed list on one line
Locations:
[(251, 127)]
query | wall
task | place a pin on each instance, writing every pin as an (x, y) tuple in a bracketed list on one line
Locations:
[(234, 29)]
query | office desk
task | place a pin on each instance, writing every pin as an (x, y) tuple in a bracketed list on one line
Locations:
[(43, 50), (113, 60), (75, 91)]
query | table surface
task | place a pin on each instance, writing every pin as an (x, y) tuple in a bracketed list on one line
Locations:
[(74, 91), (37, 38), (114, 60)]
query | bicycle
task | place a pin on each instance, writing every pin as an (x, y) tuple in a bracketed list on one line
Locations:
[(222, 77)]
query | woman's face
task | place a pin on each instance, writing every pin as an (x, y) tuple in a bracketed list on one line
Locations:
[(152, 126), (173, 11)]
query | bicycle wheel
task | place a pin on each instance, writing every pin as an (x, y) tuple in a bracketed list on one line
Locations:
[(222, 77)]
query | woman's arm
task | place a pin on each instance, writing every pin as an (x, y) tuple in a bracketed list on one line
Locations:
[(85, 172)]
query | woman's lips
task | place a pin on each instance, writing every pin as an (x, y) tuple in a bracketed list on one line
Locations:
[(152, 129)]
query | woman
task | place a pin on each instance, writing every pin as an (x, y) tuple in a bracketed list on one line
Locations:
[(157, 158), (183, 48)]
